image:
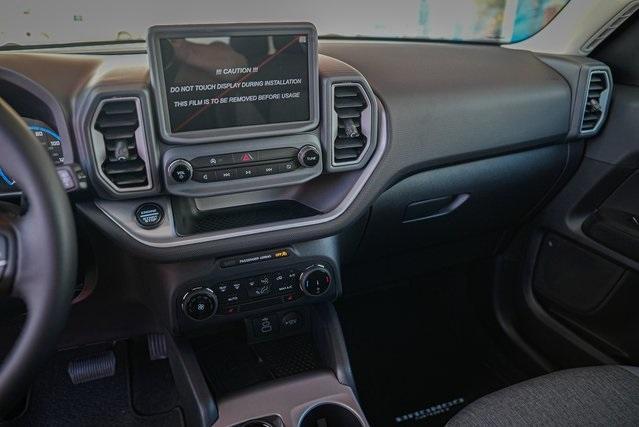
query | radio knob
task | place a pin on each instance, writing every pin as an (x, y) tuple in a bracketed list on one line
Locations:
[(315, 280), (199, 303), (180, 170), (308, 156)]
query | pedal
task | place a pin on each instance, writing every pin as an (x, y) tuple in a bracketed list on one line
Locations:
[(157, 346), (92, 368)]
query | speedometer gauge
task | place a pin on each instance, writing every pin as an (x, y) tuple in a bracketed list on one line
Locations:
[(49, 139)]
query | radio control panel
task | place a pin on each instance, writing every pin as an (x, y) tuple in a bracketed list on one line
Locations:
[(225, 168)]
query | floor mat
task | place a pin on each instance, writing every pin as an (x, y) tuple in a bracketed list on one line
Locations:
[(418, 353), (55, 401)]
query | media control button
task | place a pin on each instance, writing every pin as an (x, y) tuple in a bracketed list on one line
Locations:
[(266, 170), (225, 174), (148, 215), (204, 176), (213, 161), (287, 167), (247, 172)]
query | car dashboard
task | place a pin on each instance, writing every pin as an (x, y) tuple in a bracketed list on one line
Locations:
[(229, 207)]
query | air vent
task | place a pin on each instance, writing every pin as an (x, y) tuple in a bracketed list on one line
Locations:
[(596, 101), (119, 144), (352, 118), (609, 27)]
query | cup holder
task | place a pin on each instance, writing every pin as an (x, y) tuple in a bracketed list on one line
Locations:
[(330, 415)]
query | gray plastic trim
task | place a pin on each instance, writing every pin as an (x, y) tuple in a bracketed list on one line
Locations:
[(291, 399), (605, 100), (165, 236), (211, 30), (99, 152)]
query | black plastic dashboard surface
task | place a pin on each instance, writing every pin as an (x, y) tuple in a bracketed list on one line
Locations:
[(444, 104)]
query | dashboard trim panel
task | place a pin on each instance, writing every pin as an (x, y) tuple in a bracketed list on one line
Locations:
[(121, 213)]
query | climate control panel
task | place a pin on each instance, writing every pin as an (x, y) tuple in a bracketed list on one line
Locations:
[(305, 282)]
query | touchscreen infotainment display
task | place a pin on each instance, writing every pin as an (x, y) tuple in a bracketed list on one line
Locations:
[(240, 80)]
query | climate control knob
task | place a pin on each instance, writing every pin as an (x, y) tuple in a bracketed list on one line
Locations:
[(199, 303), (308, 156), (180, 170), (315, 280)]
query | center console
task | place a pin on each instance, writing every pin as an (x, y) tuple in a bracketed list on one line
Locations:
[(235, 159)]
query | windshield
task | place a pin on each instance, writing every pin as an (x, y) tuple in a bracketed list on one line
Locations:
[(63, 22)]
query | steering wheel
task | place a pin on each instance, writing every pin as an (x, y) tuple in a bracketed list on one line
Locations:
[(38, 255)]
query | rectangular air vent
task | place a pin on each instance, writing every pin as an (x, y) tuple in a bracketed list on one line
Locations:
[(596, 101), (120, 146), (351, 129)]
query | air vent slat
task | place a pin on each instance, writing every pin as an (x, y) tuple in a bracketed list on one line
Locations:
[(126, 166), (111, 145), (348, 113), (120, 108), (342, 143), (349, 103), (346, 154), (118, 122), (119, 133), (596, 101), (345, 91), (129, 180), (107, 122)]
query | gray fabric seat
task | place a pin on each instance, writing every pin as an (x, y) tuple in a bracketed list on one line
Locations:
[(602, 396)]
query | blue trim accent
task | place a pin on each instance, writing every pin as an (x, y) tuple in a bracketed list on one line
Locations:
[(10, 182), (47, 130)]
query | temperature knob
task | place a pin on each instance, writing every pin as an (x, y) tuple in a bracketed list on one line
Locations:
[(315, 280)]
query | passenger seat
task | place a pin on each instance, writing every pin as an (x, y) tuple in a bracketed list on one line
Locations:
[(605, 395)]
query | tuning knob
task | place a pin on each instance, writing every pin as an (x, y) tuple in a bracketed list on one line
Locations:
[(308, 156), (315, 280), (180, 170)]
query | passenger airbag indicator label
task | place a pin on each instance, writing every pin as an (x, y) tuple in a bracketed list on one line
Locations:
[(254, 258)]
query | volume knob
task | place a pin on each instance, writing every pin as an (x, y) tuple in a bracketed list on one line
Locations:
[(180, 170)]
